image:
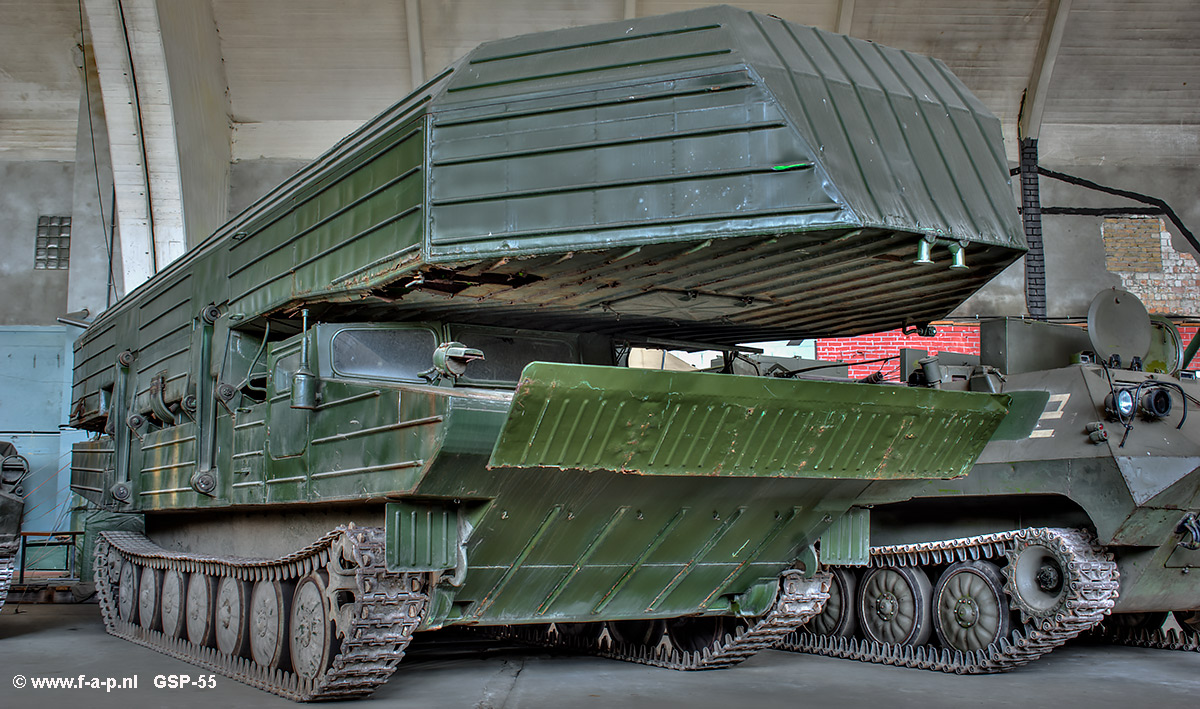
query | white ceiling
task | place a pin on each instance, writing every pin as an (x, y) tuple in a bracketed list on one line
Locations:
[(302, 73)]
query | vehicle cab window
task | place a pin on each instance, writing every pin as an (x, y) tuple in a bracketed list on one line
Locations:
[(507, 352), (382, 353)]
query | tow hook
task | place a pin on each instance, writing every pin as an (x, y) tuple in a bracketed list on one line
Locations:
[(1188, 530)]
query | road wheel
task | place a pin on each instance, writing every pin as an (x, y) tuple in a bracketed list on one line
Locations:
[(697, 633), (199, 609), (270, 608), (310, 635), (172, 612), (149, 595), (893, 605), (231, 617), (970, 608), (838, 618), (127, 592)]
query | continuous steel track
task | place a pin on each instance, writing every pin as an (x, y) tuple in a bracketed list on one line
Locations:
[(799, 600), (1157, 638), (1090, 593), (371, 613)]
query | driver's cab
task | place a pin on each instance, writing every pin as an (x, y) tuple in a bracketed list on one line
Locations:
[(404, 353)]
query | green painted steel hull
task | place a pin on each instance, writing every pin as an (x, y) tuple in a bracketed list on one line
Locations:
[(551, 541), (712, 175), (1134, 496), (734, 178)]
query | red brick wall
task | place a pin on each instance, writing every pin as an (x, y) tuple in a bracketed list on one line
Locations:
[(950, 338), (1185, 334)]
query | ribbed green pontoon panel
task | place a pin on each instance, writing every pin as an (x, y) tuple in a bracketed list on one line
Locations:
[(687, 423)]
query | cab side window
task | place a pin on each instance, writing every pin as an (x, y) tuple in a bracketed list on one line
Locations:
[(285, 368), (383, 353)]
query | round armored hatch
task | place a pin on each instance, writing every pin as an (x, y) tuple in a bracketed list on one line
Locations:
[(1166, 347), (1118, 324)]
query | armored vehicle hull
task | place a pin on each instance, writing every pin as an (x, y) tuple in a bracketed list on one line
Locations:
[(13, 470), (454, 440), (1112, 457)]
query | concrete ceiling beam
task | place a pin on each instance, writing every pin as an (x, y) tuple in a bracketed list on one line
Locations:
[(131, 64), (416, 43), (845, 16), (1029, 125)]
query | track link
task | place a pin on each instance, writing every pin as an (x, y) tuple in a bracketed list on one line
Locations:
[(374, 629), (1092, 587), (1157, 639), (799, 600), (8, 558)]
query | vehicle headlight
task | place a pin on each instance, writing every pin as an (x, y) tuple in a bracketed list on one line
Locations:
[(1155, 404), (1119, 403)]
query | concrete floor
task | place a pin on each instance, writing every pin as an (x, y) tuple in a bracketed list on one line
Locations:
[(69, 640)]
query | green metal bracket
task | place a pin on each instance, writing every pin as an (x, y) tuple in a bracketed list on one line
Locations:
[(757, 600), (421, 536), (847, 542)]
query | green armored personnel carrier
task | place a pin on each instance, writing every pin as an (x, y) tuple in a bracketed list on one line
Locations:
[(390, 396), (1093, 511)]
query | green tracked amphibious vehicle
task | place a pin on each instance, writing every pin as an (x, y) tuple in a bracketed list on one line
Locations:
[(390, 396), (931, 575)]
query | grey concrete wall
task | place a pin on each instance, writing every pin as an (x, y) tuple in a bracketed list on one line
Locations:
[(251, 179), (1074, 247), (200, 102), (30, 190)]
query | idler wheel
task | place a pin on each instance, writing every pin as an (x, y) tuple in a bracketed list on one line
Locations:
[(893, 605), (970, 608), (838, 617)]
